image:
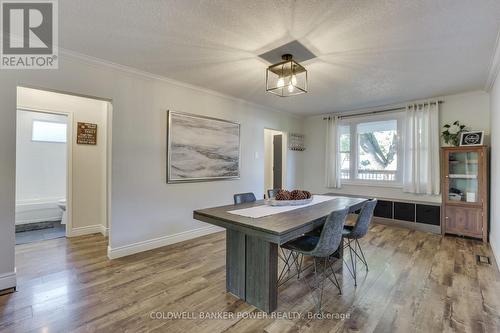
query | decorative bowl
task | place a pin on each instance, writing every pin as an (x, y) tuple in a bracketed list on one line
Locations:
[(274, 202)]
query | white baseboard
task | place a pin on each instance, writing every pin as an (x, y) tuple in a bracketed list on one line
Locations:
[(8, 280), (88, 230), (495, 254), (104, 231), (126, 250)]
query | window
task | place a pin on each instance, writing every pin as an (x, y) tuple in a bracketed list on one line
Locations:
[(370, 149), (48, 131), (345, 151)]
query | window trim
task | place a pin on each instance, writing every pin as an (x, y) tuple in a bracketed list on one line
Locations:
[(352, 122)]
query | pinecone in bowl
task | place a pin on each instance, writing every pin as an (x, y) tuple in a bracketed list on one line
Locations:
[(298, 195), (283, 195), (308, 194)]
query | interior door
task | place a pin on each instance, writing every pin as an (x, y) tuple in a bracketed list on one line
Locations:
[(277, 161)]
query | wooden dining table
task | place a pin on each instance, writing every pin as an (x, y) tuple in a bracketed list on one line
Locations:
[(252, 244)]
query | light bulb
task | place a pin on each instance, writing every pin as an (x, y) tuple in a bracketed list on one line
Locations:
[(294, 80), (281, 82), (290, 87)]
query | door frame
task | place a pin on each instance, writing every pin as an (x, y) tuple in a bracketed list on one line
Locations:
[(69, 160), (284, 155)]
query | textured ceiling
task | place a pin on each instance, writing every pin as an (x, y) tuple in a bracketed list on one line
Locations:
[(369, 53)]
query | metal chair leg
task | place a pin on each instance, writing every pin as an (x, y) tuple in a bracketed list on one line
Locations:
[(336, 282), (299, 268), (318, 287), (362, 254), (282, 273), (353, 263), (282, 256)]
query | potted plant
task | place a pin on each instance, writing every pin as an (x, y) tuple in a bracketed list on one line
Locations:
[(451, 133)]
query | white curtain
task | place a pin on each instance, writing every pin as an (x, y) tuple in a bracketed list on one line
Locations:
[(332, 167), (421, 149)]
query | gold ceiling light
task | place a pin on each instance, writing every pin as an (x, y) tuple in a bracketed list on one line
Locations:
[(286, 78)]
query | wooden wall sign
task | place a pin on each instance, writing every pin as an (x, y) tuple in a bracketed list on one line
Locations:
[(86, 134)]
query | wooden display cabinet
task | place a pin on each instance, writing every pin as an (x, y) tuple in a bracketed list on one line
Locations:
[(465, 191)]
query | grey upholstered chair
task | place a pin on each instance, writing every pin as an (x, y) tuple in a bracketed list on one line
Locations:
[(353, 233), (321, 248), (272, 193), (244, 197), (240, 198)]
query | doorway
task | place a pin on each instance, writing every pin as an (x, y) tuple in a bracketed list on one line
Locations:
[(274, 159), (68, 191), (42, 160)]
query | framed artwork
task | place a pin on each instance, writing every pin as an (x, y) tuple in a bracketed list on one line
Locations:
[(472, 138), (201, 148)]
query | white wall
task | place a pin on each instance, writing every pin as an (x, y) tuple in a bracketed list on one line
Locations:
[(470, 108), (144, 207), (40, 171), (88, 204), (495, 171)]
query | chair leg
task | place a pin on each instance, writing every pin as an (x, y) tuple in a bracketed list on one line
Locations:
[(336, 282), (353, 262), (282, 256), (362, 254), (287, 265), (299, 268), (318, 286), (354, 255)]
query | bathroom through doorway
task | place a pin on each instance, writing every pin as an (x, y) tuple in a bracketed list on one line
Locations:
[(62, 165), (41, 175)]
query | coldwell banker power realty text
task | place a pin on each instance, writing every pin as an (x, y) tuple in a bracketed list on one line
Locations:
[(29, 34)]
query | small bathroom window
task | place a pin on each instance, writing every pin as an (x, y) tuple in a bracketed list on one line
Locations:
[(48, 131)]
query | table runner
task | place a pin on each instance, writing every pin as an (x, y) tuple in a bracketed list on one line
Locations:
[(265, 210)]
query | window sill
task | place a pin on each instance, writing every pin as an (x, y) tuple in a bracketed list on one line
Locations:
[(371, 183)]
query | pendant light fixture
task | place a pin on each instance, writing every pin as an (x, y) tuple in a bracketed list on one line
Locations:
[(286, 78)]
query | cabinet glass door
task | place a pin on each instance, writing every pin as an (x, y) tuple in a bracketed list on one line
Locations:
[(463, 177)]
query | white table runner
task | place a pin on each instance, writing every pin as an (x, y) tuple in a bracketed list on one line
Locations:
[(265, 210)]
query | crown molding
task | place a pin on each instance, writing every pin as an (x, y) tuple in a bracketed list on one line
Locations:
[(494, 66), (151, 76)]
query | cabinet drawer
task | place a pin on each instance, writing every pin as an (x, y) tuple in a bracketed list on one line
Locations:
[(383, 209), (428, 214), (463, 221), (404, 211)]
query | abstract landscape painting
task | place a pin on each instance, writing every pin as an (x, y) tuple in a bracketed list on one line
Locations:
[(202, 148)]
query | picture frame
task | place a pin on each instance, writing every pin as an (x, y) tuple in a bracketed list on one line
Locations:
[(472, 138), (201, 148)]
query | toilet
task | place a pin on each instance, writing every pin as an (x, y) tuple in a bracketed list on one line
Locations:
[(62, 205)]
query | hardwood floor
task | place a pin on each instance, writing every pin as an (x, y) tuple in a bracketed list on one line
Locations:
[(417, 282)]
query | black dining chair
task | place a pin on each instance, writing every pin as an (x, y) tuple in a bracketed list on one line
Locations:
[(321, 248), (272, 193), (352, 234), (240, 198)]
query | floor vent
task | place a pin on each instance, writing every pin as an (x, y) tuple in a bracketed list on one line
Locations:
[(483, 260)]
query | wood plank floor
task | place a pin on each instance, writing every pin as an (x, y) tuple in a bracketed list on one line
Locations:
[(417, 282)]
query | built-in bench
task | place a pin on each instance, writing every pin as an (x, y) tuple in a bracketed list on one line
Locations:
[(418, 215)]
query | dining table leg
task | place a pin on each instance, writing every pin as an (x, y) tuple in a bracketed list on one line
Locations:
[(261, 274), (252, 270), (235, 263)]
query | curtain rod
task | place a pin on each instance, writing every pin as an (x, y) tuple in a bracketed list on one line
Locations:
[(379, 111)]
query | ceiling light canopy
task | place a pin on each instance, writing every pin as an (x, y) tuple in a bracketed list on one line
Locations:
[(286, 78)]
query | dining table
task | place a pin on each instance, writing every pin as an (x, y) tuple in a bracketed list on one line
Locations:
[(254, 232)]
